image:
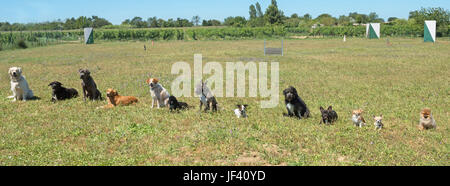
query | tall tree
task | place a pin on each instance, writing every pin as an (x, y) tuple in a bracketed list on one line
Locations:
[(259, 12), (307, 17), (196, 20), (252, 12), (273, 15)]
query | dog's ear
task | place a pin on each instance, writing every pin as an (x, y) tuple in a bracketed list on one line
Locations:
[(330, 108), (50, 84), (245, 106), (374, 116), (321, 109), (19, 70), (238, 106), (381, 115), (79, 70), (147, 81)]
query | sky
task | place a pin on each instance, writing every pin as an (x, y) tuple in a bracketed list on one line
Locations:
[(116, 11)]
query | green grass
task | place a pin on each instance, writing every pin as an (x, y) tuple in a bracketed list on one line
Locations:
[(396, 81)]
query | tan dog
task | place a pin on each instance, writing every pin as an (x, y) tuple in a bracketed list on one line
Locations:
[(357, 118), (426, 119), (159, 93), (114, 99)]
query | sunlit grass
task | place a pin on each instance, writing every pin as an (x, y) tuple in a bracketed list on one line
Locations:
[(396, 81)]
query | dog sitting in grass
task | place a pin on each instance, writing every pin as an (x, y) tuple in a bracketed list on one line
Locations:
[(295, 106), (426, 119), (206, 97), (329, 116), (89, 87), (19, 85), (114, 99), (159, 94), (378, 122), (357, 118), (61, 93)]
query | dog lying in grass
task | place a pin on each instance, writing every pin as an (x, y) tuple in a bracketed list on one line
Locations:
[(426, 119), (174, 104), (61, 93), (241, 111), (357, 118), (19, 85), (89, 87), (114, 99), (329, 116), (295, 106)]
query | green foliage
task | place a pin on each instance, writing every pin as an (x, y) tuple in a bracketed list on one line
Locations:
[(439, 14), (252, 12), (237, 21), (211, 22), (273, 15)]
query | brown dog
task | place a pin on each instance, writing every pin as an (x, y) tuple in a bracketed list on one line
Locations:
[(426, 119), (114, 99)]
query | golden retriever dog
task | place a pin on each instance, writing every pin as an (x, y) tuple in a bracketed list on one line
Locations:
[(159, 94), (114, 99), (19, 85)]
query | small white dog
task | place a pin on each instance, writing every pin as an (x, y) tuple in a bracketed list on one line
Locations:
[(19, 85), (378, 122), (241, 111), (159, 93)]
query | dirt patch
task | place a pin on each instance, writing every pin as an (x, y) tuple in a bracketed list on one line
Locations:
[(251, 158)]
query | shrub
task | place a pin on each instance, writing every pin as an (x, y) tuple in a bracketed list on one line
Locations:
[(21, 44)]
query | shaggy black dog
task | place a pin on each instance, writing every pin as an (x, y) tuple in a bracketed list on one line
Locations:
[(89, 87), (294, 104), (328, 116), (61, 93), (175, 105)]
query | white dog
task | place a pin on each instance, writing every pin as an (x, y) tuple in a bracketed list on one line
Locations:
[(241, 111), (19, 85), (159, 93)]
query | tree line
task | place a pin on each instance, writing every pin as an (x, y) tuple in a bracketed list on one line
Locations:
[(272, 16)]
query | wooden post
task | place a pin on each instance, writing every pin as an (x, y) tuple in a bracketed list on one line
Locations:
[(264, 47)]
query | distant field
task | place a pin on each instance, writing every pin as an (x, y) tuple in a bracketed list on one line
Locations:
[(396, 81)]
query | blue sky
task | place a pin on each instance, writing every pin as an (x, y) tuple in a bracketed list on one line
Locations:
[(25, 11)]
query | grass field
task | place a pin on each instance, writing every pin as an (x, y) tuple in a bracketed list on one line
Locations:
[(396, 81)]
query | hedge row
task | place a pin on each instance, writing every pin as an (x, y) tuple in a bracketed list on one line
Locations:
[(8, 39)]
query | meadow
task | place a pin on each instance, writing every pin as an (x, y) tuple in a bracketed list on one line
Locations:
[(396, 80)]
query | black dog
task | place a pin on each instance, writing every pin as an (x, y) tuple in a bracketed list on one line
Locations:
[(61, 93), (211, 104), (89, 87), (175, 105), (294, 104), (328, 116)]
